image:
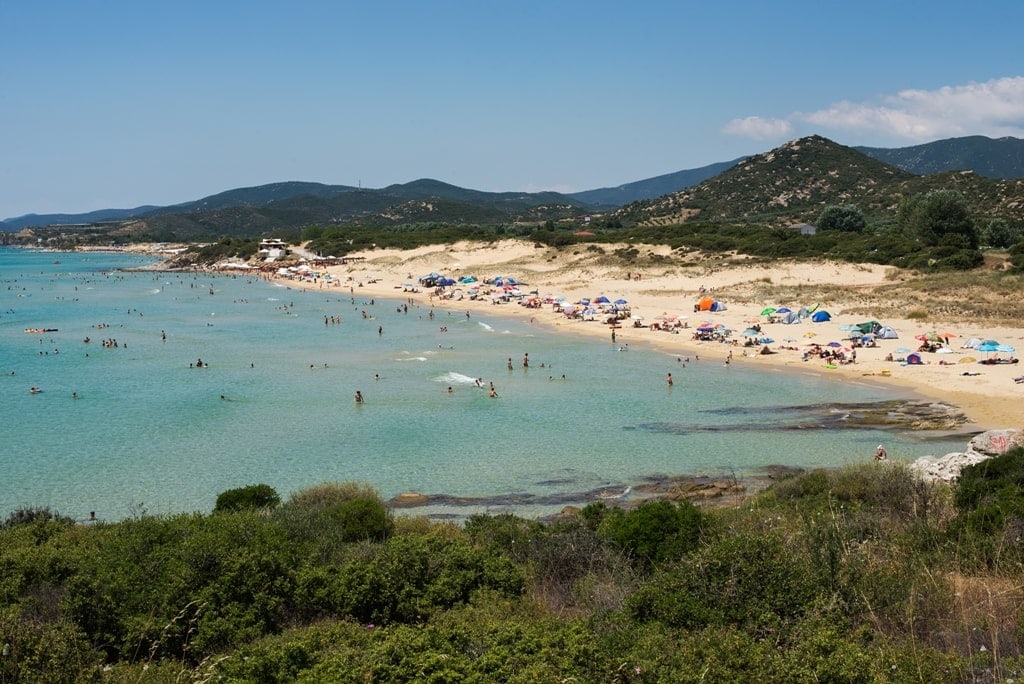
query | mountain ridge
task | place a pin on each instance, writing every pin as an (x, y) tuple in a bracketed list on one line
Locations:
[(258, 206)]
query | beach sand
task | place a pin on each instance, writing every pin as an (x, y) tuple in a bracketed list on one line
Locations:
[(659, 283)]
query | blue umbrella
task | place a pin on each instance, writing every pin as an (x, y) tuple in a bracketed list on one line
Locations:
[(621, 302), (783, 309)]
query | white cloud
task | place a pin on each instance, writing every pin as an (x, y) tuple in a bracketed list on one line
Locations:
[(758, 128), (994, 108)]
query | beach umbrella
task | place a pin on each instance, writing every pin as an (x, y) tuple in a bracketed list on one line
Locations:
[(810, 334), (783, 309), (750, 332), (621, 302), (1005, 349), (833, 344), (602, 300), (988, 346), (768, 310)]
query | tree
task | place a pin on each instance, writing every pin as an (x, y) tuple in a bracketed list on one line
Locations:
[(999, 234), (939, 217), (247, 498), (844, 217), (1017, 255)]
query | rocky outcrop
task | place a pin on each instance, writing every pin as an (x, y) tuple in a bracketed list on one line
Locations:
[(982, 447)]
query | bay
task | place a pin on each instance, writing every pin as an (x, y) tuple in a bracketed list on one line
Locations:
[(140, 427)]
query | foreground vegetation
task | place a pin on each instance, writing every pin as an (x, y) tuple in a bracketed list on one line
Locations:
[(861, 574)]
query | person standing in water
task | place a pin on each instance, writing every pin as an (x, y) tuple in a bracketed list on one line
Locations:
[(359, 397)]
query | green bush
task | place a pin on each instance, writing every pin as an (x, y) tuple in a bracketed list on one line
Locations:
[(745, 579), (330, 516), (655, 531), (406, 580), (247, 498)]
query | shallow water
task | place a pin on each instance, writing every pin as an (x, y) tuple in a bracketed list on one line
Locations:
[(149, 431)]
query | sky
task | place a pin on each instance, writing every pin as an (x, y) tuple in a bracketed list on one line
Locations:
[(117, 104)]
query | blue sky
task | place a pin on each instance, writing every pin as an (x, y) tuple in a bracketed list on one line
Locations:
[(118, 104)]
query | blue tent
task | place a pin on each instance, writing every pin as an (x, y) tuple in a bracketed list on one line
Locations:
[(821, 316), (914, 359)]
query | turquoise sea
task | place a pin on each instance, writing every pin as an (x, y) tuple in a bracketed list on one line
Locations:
[(137, 427)]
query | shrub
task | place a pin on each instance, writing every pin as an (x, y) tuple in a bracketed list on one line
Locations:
[(655, 531), (27, 516), (407, 580), (247, 498), (328, 516), (745, 579)]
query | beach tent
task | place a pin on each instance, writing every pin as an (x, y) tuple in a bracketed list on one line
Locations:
[(914, 359), (972, 343), (467, 279), (869, 326), (718, 306), (791, 317), (886, 333), (821, 316)]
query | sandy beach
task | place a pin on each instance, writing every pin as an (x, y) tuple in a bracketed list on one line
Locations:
[(662, 286)]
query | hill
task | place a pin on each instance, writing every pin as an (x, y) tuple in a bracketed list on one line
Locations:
[(791, 183), (1001, 158), (289, 207), (605, 198), (795, 181)]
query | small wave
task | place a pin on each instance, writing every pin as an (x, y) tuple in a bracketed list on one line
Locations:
[(155, 291), (413, 358), (485, 326), (453, 378)]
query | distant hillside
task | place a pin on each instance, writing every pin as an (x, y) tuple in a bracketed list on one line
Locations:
[(99, 216), (795, 181), (1001, 158), (791, 182), (651, 187), (257, 196)]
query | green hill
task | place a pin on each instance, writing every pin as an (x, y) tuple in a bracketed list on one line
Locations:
[(1001, 158), (795, 181)]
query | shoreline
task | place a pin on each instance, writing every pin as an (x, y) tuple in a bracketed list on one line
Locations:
[(985, 393)]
